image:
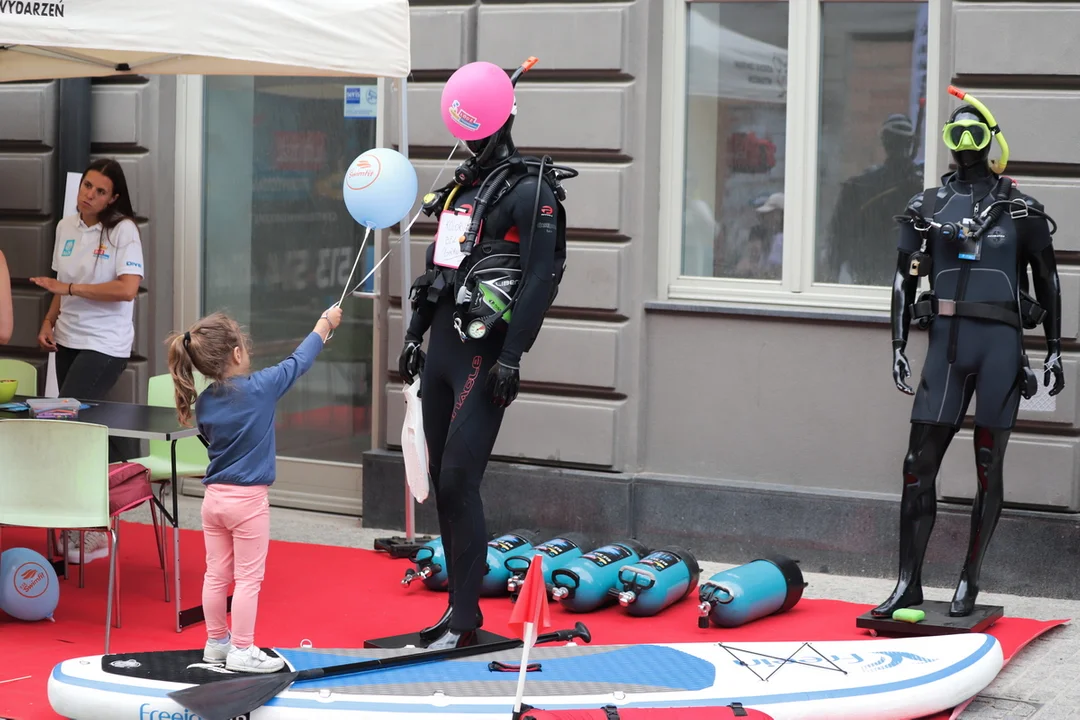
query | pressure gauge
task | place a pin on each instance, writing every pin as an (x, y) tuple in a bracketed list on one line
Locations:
[(477, 329)]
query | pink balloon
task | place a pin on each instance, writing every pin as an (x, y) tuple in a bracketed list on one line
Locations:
[(477, 100)]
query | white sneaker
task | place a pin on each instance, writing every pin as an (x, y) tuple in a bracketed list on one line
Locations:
[(95, 543), (217, 650), (253, 660)]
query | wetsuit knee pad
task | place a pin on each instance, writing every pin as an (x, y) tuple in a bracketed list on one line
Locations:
[(918, 467), (984, 457)]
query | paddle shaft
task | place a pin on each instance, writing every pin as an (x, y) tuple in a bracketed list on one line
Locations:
[(415, 658)]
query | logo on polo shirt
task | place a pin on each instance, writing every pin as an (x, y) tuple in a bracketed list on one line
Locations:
[(69, 245), (132, 263)]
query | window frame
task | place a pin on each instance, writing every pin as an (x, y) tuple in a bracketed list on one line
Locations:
[(797, 286)]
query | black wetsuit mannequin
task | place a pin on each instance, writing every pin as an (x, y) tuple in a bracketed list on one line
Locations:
[(986, 359), (466, 386)]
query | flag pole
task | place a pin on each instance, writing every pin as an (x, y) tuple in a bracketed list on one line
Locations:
[(530, 638)]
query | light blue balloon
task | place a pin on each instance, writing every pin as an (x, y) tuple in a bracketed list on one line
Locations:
[(379, 188), (29, 588)]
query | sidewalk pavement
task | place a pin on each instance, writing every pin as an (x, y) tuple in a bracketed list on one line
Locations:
[(1042, 682)]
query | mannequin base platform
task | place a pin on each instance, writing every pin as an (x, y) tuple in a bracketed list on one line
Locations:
[(399, 547), (413, 640), (937, 621)]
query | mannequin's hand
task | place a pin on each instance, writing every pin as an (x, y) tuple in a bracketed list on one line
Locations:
[(503, 382), (1053, 366), (901, 370), (411, 361)]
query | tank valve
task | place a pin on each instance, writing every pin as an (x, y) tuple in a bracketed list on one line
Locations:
[(410, 574), (512, 583), (560, 592), (625, 598), (703, 615)]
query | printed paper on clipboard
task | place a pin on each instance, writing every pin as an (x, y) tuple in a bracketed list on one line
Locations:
[(452, 227)]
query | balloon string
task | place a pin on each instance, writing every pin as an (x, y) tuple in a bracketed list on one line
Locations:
[(433, 184), (353, 271), (356, 262)]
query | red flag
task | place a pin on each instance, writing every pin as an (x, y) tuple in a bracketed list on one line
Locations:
[(532, 603)]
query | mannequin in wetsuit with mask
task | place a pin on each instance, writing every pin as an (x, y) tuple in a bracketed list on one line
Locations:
[(470, 374), (974, 239)]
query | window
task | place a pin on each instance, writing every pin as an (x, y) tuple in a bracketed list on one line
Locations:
[(278, 243), (782, 178)]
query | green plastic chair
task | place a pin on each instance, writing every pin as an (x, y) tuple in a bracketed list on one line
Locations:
[(56, 475), (24, 372), (191, 457)]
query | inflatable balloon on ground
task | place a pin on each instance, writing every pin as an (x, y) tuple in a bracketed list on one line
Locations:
[(476, 101), (379, 188), (29, 588)]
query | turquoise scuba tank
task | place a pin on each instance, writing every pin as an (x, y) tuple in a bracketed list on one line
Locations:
[(430, 562), (662, 578), (498, 549), (557, 552), (749, 592), (583, 584)]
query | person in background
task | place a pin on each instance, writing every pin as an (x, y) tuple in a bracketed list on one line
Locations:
[(235, 415), (98, 260), (7, 312)]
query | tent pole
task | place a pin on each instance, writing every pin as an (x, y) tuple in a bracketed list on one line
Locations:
[(406, 283)]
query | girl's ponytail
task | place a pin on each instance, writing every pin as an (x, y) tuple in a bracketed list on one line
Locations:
[(182, 371)]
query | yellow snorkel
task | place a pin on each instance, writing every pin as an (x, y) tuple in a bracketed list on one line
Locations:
[(997, 166)]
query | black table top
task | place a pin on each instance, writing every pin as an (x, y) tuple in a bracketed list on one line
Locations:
[(128, 420)]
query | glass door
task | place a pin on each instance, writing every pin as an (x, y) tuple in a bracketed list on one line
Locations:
[(278, 245)]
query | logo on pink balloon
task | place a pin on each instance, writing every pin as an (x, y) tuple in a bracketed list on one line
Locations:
[(462, 118)]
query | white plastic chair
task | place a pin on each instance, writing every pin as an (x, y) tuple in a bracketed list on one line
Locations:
[(56, 475)]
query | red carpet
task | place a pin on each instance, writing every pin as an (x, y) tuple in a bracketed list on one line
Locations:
[(346, 595)]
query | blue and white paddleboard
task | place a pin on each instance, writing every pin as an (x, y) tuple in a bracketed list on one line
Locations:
[(880, 679)]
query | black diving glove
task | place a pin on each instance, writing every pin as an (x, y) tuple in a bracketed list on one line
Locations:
[(503, 381), (411, 361), (1053, 365), (901, 370)]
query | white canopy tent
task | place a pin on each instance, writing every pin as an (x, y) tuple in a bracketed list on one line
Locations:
[(59, 39), (97, 38), (725, 64)]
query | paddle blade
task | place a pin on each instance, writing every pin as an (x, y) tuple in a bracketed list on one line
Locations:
[(225, 699)]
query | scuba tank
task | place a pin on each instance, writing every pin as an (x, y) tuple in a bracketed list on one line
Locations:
[(430, 562), (583, 584), (512, 543), (556, 552), (662, 578), (748, 592)]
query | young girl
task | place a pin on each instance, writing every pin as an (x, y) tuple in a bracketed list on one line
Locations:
[(235, 415)]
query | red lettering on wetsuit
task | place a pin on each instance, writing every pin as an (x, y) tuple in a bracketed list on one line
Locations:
[(469, 382)]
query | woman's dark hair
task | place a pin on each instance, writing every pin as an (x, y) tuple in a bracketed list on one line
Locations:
[(121, 208)]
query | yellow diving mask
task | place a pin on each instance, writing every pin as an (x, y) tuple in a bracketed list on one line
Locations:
[(974, 135), (966, 135)]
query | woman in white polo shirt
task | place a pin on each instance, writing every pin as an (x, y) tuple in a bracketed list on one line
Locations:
[(98, 260)]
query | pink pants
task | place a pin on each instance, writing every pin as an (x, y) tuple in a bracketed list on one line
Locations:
[(236, 530)]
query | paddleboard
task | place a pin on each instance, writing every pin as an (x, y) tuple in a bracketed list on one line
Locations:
[(880, 679)]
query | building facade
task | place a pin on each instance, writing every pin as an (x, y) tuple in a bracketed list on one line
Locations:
[(716, 370)]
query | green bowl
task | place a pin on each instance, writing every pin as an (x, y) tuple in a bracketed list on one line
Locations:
[(7, 390)]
